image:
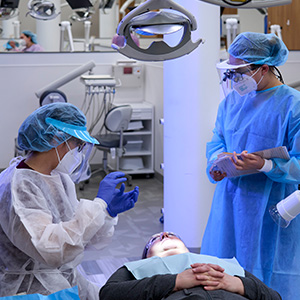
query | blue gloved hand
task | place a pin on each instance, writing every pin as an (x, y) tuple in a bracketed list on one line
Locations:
[(122, 201), (108, 185)]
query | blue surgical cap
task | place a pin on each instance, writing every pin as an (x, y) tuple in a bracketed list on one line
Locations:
[(31, 34), (259, 48), (36, 134)]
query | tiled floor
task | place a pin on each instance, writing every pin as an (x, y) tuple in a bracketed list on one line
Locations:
[(131, 233)]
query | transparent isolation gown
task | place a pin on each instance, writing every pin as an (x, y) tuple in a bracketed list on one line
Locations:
[(43, 232), (239, 224)]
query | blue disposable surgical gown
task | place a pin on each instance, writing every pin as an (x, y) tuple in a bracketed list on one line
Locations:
[(239, 224)]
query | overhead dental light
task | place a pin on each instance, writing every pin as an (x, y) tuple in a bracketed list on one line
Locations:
[(42, 10), (144, 20), (83, 9), (248, 3), (8, 9)]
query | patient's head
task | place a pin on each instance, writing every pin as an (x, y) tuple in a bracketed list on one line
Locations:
[(164, 244)]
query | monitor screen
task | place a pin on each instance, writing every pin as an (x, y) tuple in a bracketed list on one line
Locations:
[(75, 4), (9, 3)]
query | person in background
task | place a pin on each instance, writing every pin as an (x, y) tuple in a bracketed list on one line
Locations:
[(44, 229), (259, 113), (120, 41), (8, 47), (28, 43), (189, 276)]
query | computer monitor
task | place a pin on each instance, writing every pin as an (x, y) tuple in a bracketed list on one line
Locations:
[(76, 4), (9, 3)]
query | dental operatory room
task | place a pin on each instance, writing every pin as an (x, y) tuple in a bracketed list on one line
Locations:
[(149, 149)]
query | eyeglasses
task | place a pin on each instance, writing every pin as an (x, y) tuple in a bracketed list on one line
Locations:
[(80, 144), (236, 75), (159, 236), (154, 238)]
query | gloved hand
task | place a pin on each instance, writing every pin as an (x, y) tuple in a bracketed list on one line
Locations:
[(108, 185), (122, 201)]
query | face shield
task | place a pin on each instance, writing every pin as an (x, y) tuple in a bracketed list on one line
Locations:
[(236, 77), (83, 171)]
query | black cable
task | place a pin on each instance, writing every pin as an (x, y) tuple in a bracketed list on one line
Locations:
[(222, 10), (278, 75), (263, 11), (232, 4)]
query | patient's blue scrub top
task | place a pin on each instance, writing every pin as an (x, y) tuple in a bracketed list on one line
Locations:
[(239, 224)]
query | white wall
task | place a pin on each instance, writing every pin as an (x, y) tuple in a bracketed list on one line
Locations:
[(251, 20), (191, 98), (290, 70), (154, 93), (22, 74)]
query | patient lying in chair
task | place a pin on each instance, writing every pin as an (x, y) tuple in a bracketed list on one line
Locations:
[(169, 271)]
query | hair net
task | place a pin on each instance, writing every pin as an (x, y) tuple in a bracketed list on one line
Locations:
[(259, 49), (30, 34), (35, 134)]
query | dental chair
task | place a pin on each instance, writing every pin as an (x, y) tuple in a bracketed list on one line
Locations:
[(113, 141)]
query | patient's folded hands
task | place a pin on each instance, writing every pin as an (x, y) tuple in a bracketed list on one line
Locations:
[(212, 277)]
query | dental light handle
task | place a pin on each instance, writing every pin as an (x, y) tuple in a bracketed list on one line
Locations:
[(87, 29), (70, 36), (286, 210), (231, 26), (16, 29), (66, 25), (276, 29)]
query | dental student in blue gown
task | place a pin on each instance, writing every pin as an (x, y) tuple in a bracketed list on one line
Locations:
[(260, 112)]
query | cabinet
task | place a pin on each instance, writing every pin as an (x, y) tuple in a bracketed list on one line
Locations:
[(138, 157), (287, 16)]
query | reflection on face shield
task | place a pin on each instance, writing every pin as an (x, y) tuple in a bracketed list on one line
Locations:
[(232, 75), (83, 171)]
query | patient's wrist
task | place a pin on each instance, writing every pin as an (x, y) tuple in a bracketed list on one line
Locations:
[(239, 286)]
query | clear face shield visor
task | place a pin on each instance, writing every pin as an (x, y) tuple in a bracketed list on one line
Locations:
[(83, 171), (233, 75)]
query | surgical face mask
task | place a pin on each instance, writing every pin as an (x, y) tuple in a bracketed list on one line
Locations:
[(22, 43), (70, 162), (244, 84)]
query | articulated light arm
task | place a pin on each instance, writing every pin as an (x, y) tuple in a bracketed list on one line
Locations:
[(248, 3), (66, 78)]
